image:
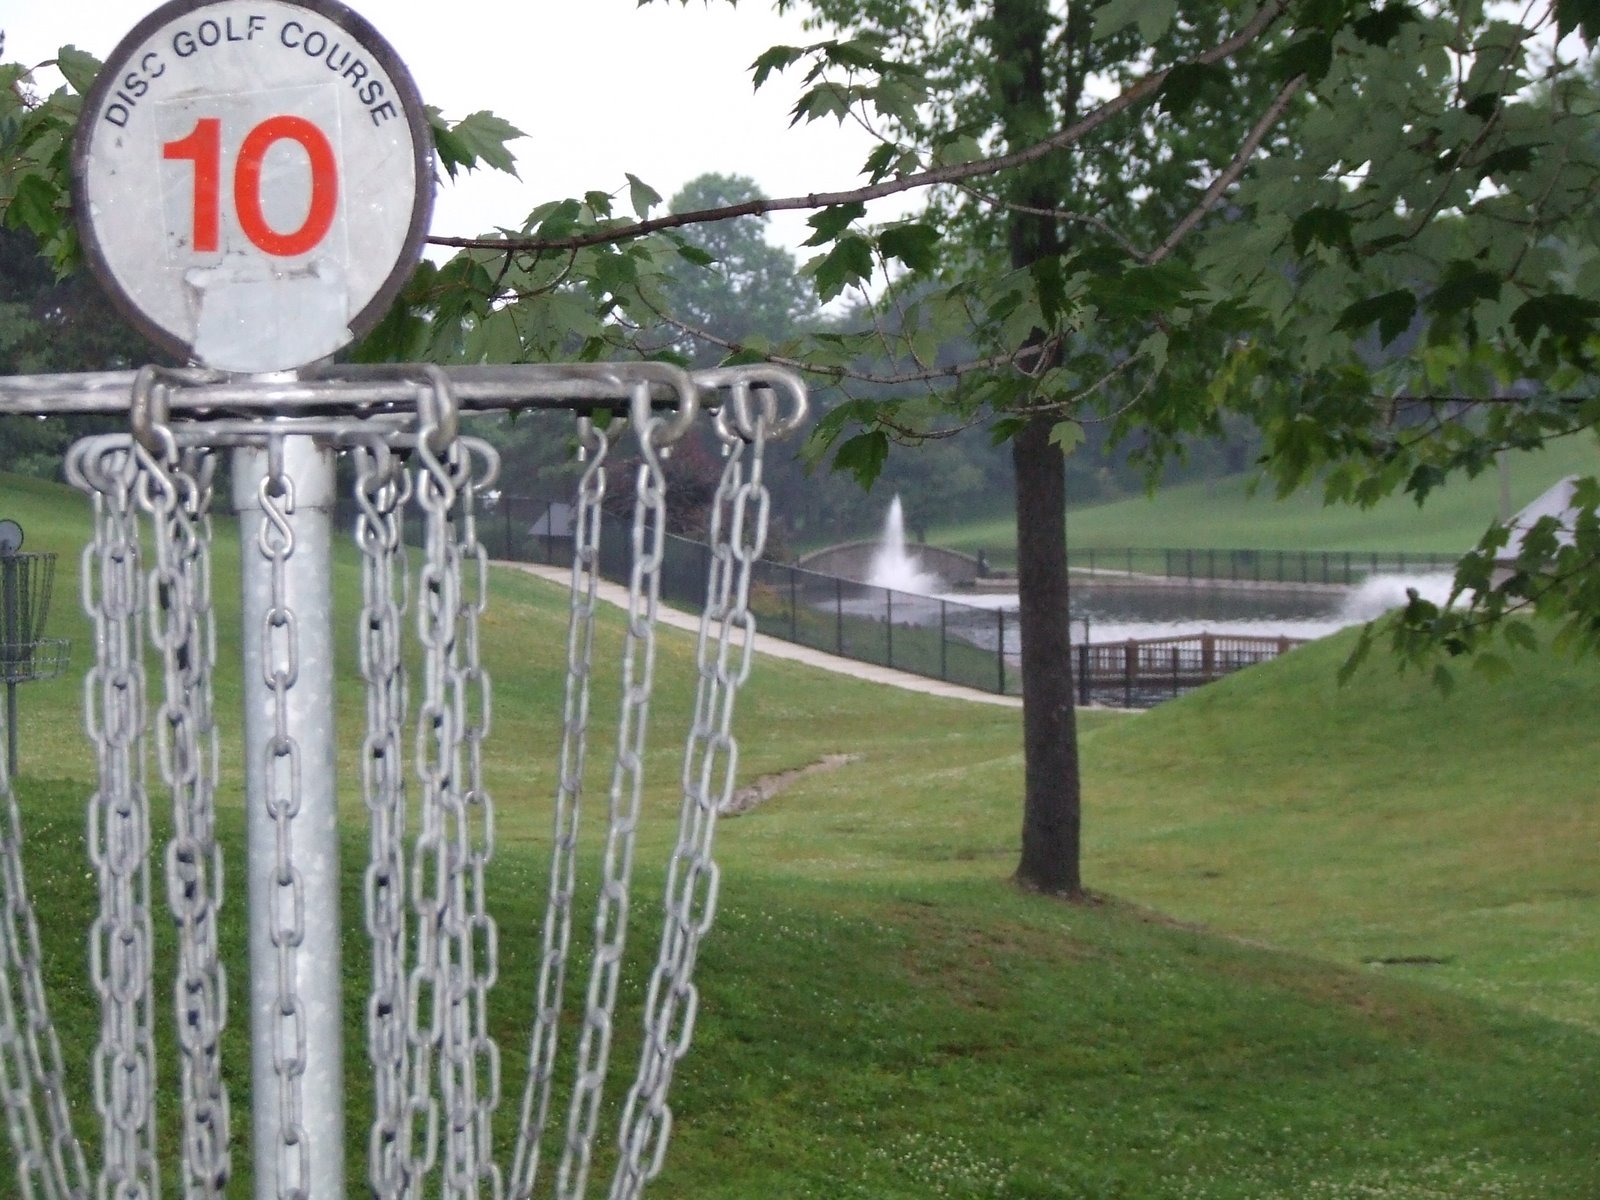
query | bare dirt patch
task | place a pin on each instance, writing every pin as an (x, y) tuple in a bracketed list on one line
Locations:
[(754, 794)]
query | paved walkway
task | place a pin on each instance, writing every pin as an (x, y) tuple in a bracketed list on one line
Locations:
[(772, 647)]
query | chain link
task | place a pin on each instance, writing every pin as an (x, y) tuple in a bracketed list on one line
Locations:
[(176, 490), (457, 942), (30, 1052), (123, 1062), (627, 783), (286, 917), (711, 757), (594, 446), (382, 488)]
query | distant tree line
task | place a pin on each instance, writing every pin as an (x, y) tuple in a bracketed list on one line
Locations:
[(734, 295), (50, 325)]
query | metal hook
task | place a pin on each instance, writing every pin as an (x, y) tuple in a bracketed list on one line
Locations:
[(590, 439), (773, 382), (686, 396), (439, 413), (148, 413)]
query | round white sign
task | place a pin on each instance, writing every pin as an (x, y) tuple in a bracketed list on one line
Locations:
[(253, 179)]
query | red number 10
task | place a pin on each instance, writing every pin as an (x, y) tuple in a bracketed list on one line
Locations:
[(203, 147)]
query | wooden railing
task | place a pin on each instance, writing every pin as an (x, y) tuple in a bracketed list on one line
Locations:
[(1138, 670)]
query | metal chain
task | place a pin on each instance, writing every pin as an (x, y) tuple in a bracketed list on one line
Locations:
[(176, 490), (457, 951), (437, 1071), (477, 1064), (711, 757), (594, 446), (382, 488), (123, 1063), (30, 1051), (280, 667), (627, 782)]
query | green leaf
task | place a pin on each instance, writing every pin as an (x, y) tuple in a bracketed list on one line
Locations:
[(1444, 680), (1379, 27), (1490, 665), (1310, 56), (831, 222), (1391, 310), (451, 151), (1068, 435), (615, 272), (692, 253), (878, 162), (1566, 318), (78, 67), (483, 136), (1326, 15), (1154, 350), (1189, 82), (1152, 16), (1358, 655), (1518, 634), (559, 219), (1462, 285), (774, 58), (849, 262), (33, 206), (1327, 226), (1582, 15), (863, 455), (1507, 161), (642, 196), (1142, 291), (956, 148), (827, 99), (1005, 429), (913, 245)]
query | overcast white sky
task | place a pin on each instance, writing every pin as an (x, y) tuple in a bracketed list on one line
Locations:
[(601, 87)]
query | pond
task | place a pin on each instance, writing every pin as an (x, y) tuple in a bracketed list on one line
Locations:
[(1118, 611)]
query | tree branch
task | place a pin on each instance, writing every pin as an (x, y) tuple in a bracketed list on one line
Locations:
[(1143, 90), (1098, 224), (924, 375), (1230, 176)]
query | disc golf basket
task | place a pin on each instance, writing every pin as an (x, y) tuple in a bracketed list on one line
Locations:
[(438, 1126), (25, 653)]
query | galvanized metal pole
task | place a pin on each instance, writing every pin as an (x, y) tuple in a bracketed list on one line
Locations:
[(292, 836)]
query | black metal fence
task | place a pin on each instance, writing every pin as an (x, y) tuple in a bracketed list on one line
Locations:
[(940, 639), (1341, 567)]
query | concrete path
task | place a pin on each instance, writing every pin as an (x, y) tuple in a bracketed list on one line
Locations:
[(771, 647)]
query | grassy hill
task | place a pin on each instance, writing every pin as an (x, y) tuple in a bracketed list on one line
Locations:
[(1446, 837), (1229, 514), (883, 1016)]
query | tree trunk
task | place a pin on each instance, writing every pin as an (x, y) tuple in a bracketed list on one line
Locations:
[(1020, 35), (1051, 799)]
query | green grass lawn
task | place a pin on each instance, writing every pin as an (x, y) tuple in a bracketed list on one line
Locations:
[(883, 1015), (1228, 514)]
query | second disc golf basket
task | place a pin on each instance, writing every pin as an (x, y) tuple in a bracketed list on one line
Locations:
[(26, 654), (438, 1073)]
